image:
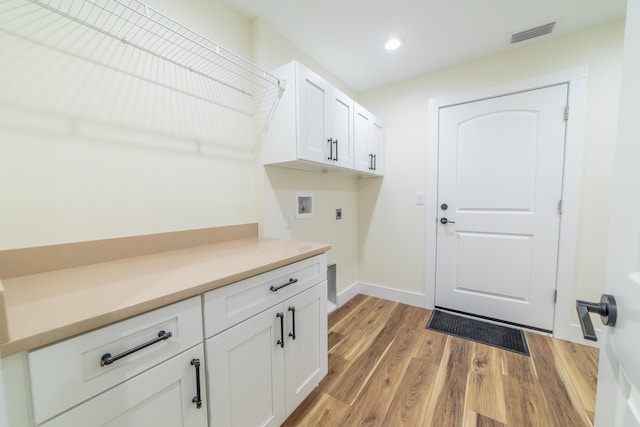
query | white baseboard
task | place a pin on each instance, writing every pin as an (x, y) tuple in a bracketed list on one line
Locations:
[(391, 294)]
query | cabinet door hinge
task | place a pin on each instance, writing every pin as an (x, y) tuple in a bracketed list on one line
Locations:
[(560, 207), (555, 296), (566, 113)]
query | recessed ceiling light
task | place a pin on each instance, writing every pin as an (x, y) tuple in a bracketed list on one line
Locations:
[(393, 43)]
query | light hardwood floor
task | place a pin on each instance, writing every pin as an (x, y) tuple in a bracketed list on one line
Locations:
[(386, 369)]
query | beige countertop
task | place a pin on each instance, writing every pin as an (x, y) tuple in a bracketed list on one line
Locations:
[(47, 307)]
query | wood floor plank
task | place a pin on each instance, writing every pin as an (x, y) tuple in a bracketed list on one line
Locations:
[(359, 331), (446, 406), (333, 338), (386, 369), (525, 404), (371, 407), (431, 346), (345, 310), (337, 367), (317, 410), (473, 419), (349, 385), (485, 391), (409, 404), (560, 396), (582, 365), (345, 318), (518, 366)]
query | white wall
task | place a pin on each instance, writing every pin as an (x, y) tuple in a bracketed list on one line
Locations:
[(392, 231), (90, 153)]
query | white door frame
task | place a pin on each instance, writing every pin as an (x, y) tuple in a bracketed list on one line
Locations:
[(577, 81)]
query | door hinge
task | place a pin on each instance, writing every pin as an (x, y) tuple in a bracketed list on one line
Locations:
[(555, 296), (566, 113), (560, 207)]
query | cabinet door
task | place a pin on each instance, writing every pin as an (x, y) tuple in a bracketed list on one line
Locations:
[(377, 146), (306, 353), (314, 94), (246, 373), (160, 397), (341, 132), (368, 142), (363, 160)]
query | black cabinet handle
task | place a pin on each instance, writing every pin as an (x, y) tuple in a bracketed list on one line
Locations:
[(277, 288), (606, 308), (108, 359), (336, 142), (281, 340), (292, 334), (375, 161), (330, 141), (370, 161), (197, 399)]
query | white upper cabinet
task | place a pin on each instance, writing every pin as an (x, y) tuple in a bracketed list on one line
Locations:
[(312, 126), (312, 118), (368, 142)]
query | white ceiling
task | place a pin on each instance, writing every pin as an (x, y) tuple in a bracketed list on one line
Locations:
[(347, 36)]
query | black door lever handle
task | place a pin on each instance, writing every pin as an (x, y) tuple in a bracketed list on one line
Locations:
[(606, 308)]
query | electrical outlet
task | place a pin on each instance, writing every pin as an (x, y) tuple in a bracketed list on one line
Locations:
[(288, 220), (338, 214), (420, 198)]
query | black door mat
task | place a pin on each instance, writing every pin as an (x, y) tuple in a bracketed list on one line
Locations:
[(476, 330)]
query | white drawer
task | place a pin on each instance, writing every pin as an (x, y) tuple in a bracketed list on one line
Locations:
[(231, 304), (69, 372), (162, 396)]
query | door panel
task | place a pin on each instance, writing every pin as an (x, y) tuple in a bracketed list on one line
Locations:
[(483, 256), (342, 127), (306, 360), (245, 373), (618, 396), (483, 163), (500, 175)]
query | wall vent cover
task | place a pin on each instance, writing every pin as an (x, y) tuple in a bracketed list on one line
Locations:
[(532, 32)]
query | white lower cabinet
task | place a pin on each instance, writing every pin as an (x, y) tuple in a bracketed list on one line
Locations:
[(261, 369), (266, 350), (164, 396)]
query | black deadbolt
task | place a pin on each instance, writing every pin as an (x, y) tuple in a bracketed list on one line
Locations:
[(444, 206)]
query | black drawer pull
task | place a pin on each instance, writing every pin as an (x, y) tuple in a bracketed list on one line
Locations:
[(330, 141), (280, 342), (292, 334), (277, 288), (108, 359), (197, 399)]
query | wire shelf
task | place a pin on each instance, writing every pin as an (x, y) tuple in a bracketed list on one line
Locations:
[(134, 23), (121, 65)]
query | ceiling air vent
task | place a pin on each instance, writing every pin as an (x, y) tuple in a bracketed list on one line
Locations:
[(532, 32)]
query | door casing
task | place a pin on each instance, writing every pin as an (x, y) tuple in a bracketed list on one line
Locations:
[(577, 80)]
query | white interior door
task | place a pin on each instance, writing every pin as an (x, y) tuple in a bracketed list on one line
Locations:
[(618, 397), (499, 186)]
